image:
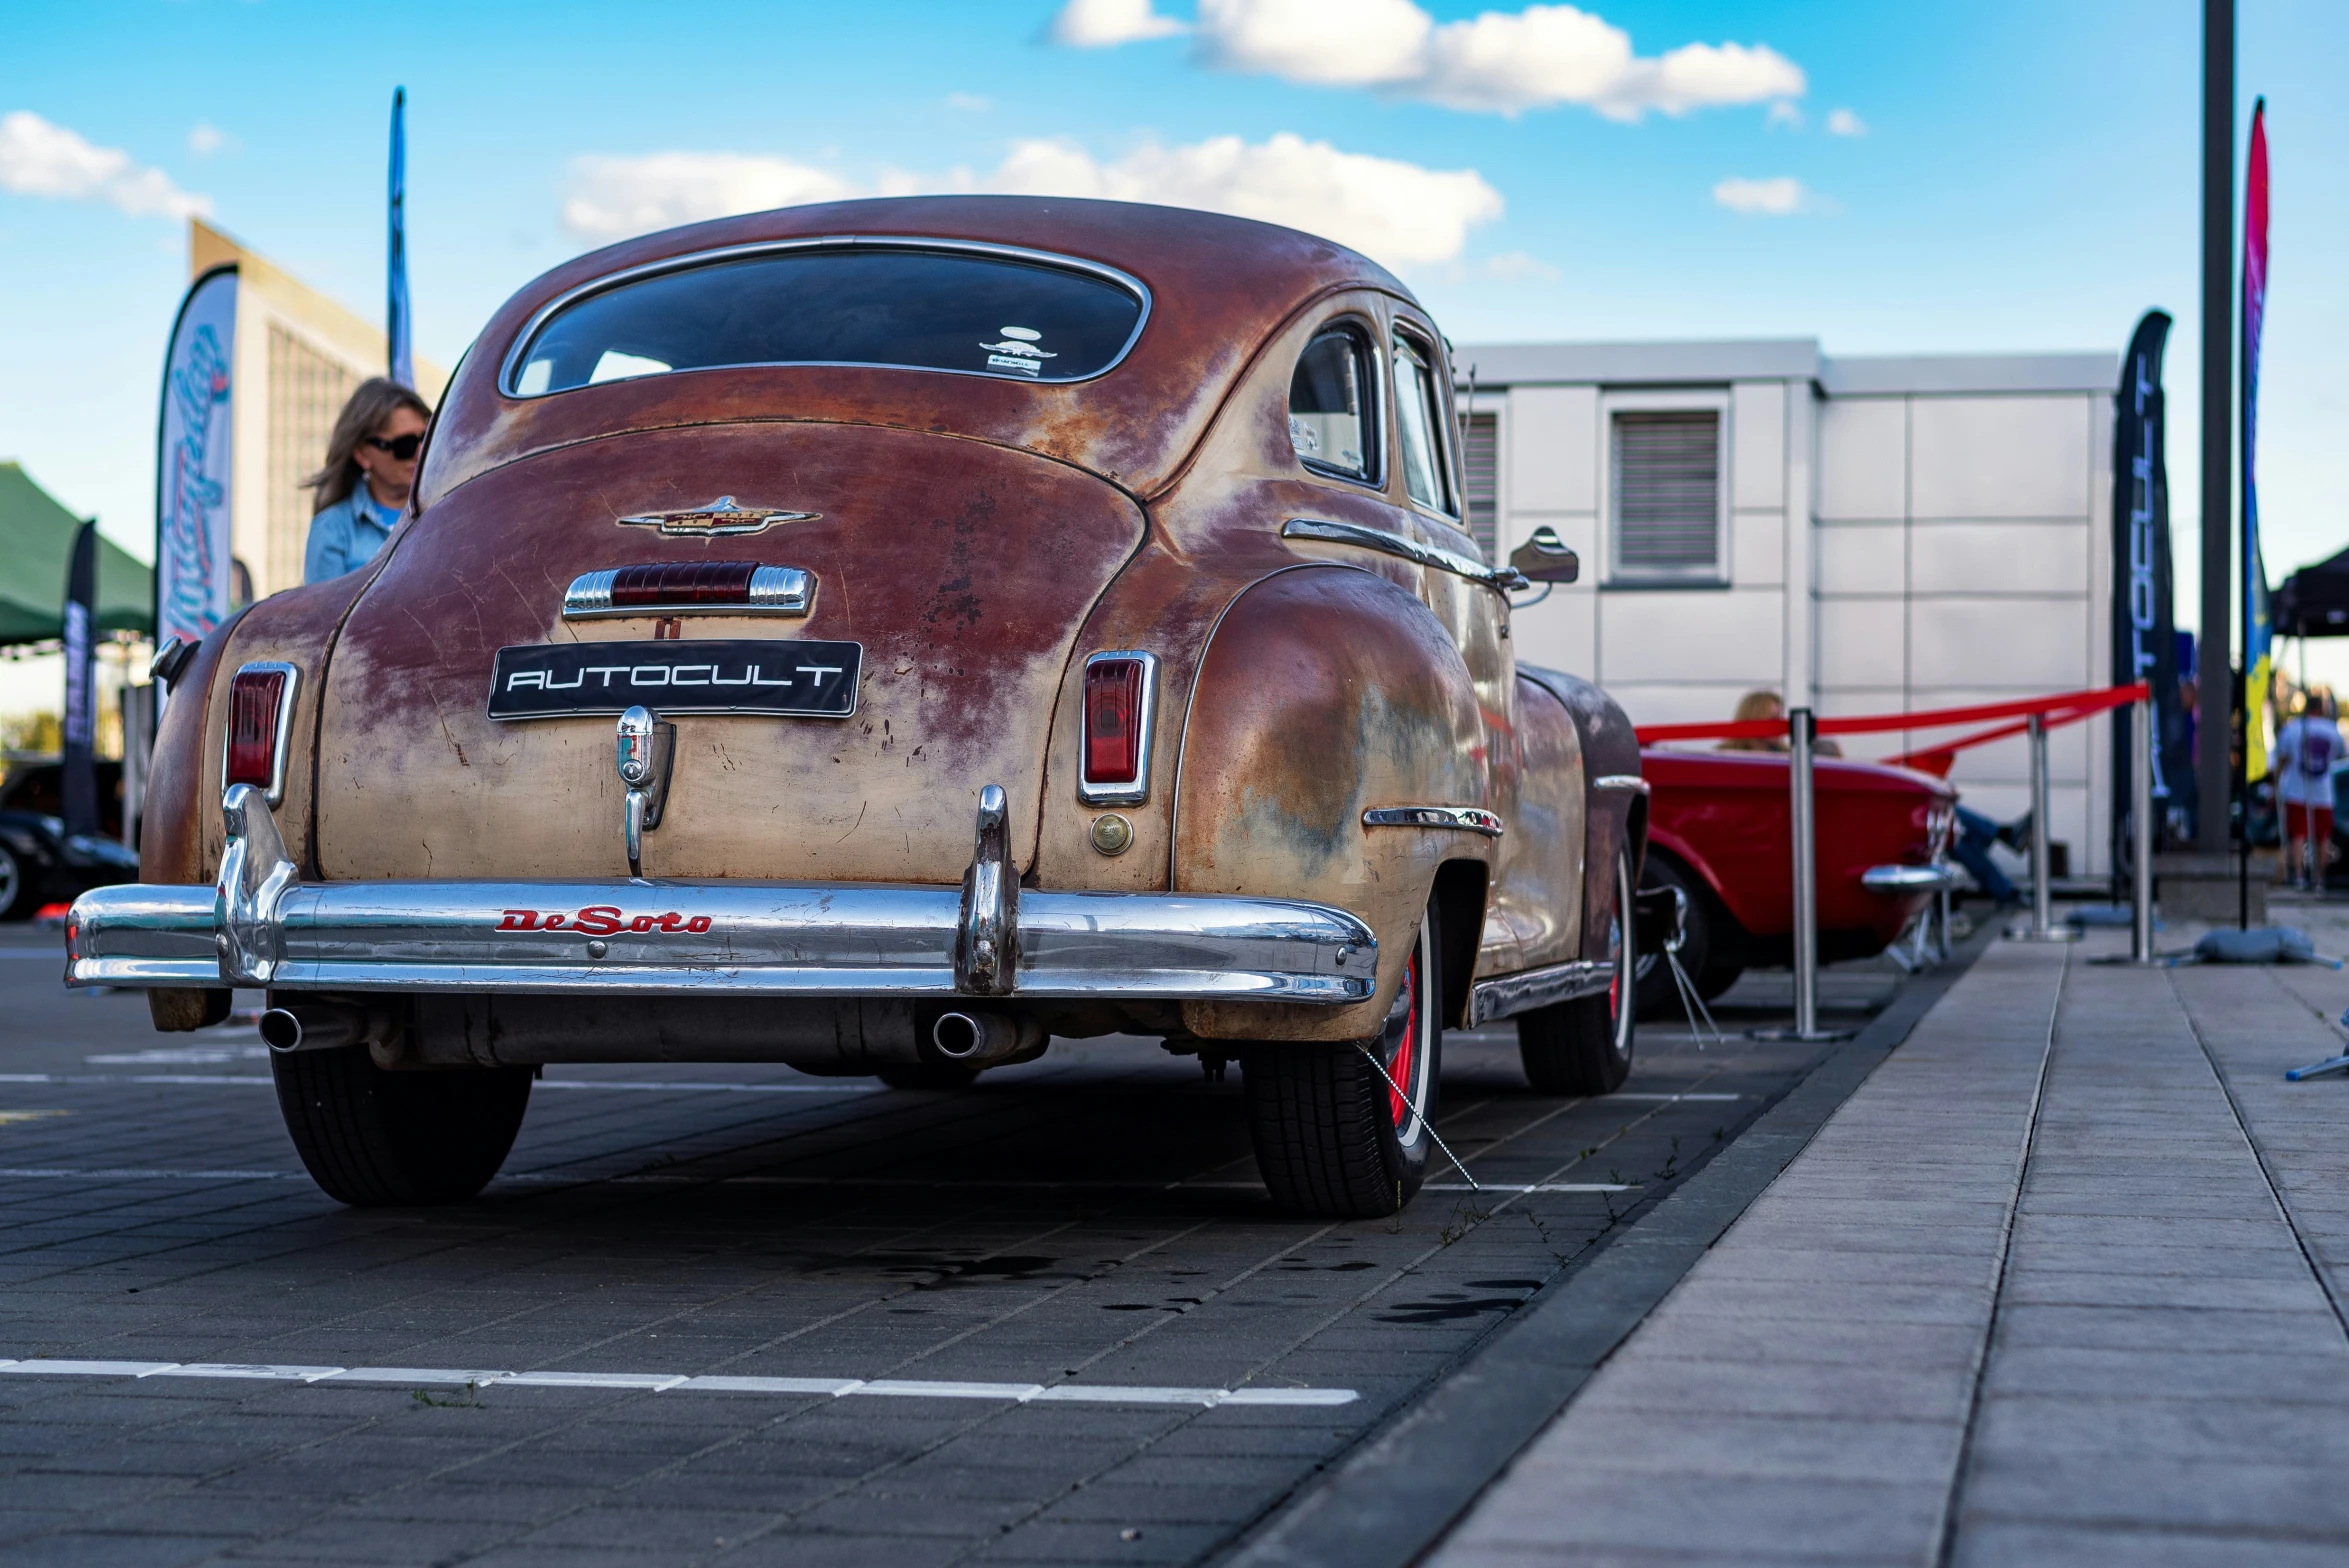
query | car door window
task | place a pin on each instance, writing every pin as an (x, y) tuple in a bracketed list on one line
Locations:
[(1418, 421), (1333, 420)]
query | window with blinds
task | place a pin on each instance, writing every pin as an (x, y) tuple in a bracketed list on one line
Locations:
[(1480, 456), (1666, 465)]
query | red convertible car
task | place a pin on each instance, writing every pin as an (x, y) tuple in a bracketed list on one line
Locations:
[(1718, 831)]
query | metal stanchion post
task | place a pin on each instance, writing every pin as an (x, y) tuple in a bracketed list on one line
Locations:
[(1806, 873), (2141, 830), (2042, 927), (1805, 847), (2042, 895)]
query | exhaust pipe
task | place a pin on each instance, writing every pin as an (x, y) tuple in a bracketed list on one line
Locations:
[(984, 1039), (320, 1028)]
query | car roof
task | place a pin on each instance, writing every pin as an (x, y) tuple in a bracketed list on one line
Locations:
[(1219, 287)]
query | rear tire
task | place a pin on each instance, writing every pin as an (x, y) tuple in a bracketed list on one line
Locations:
[(1584, 1047), (16, 891), (372, 1138), (1333, 1138)]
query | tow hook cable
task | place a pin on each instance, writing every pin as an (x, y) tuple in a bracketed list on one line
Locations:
[(1377, 1067)]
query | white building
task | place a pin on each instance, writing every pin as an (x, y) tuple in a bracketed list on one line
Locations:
[(1868, 535)]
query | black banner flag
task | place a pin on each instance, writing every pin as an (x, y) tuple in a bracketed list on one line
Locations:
[(2144, 638), (81, 704)]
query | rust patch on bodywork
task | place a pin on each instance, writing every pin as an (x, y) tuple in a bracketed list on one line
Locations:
[(962, 569), (1324, 692)]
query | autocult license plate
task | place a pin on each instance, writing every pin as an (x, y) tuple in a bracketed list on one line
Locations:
[(799, 679)]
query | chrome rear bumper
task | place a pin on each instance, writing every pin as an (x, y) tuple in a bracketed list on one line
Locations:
[(261, 926)]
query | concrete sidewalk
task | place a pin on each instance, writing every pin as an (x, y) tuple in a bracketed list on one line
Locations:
[(2062, 1282)]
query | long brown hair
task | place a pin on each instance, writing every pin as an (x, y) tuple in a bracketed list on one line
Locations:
[(369, 410)]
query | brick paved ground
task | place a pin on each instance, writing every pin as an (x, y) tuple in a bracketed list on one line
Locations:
[(2061, 1283), (1091, 1219)]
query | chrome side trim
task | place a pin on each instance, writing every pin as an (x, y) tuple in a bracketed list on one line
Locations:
[(774, 590), (262, 926), (512, 365), (1505, 996), (285, 724), (1907, 879), (1629, 783), (1502, 577), (1146, 723), (1467, 819)]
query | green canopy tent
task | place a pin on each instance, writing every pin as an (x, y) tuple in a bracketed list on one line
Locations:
[(36, 543)]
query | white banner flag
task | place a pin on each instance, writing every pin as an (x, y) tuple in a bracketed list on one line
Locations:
[(193, 457)]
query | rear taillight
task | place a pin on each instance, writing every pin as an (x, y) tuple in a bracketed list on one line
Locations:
[(260, 707), (1119, 692), (672, 587)]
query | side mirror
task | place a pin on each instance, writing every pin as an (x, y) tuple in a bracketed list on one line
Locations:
[(1544, 558)]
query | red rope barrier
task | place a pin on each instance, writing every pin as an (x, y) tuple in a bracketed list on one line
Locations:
[(2063, 708)]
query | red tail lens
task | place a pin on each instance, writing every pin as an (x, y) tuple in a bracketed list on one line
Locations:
[(255, 699), (683, 583), (1113, 721)]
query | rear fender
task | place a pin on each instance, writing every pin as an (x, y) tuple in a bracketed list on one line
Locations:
[(297, 627), (1326, 691), (1616, 818)]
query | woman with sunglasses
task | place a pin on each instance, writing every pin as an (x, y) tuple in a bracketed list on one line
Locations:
[(370, 468)]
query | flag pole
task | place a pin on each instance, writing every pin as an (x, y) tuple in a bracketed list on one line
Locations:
[(396, 330), (2214, 722)]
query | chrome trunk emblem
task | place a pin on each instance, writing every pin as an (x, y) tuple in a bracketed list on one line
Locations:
[(725, 515)]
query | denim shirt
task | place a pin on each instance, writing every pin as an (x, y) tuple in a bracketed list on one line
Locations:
[(346, 535)]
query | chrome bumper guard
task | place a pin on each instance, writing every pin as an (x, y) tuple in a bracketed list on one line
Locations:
[(260, 925), (1895, 880)]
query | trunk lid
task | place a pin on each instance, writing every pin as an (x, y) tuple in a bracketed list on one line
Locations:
[(964, 569)]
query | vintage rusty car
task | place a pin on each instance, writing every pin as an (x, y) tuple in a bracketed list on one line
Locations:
[(1719, 834), (882, 636)]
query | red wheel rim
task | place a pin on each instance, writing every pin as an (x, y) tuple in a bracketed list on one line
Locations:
[(1406, 1049)]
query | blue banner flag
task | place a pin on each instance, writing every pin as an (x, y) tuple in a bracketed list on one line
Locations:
[(395, 330), (193, 567)]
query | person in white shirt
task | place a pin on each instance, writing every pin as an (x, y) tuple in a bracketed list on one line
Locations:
[(2305, 752)]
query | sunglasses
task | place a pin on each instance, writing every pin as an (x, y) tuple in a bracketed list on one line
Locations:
[(402, 448)]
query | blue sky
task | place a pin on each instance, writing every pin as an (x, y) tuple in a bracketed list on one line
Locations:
[(2025, 180)]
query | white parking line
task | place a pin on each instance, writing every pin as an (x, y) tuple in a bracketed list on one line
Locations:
[(55, 1173), (665, 1382), (1669, 1098), (1539, 1186), (544, 1083)]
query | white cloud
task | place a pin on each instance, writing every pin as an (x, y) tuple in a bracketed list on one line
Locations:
[(612, 198), (204, 140), (1775, 198), (1339, 43), (1396, 212), (1399, 213), (41, 159), (1842, 122), (1500, 62), (1515, 266), (1102, 24), (969, 103), (1784, 113)]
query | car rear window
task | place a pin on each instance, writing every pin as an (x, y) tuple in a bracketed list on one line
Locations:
[(979, 314)]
